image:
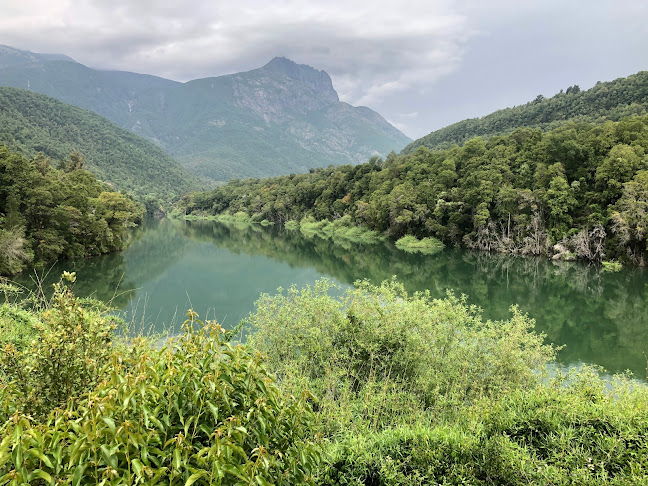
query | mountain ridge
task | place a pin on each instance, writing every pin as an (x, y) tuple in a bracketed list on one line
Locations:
[(280, 118), (32, 123), (609, 100)]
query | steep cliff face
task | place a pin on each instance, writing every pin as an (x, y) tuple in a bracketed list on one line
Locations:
[(281, 118)]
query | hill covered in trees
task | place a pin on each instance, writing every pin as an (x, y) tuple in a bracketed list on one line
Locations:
[(281, 118), (31, 123), (48, 213), (611, 100), (578, 191)]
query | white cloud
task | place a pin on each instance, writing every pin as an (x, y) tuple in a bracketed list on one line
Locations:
[(370, 49), (445, 59)]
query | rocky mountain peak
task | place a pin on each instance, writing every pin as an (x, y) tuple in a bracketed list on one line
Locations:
[(320, 81)]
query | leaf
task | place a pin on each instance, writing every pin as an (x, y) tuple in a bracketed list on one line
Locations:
[(110, 423), (176, 458), (195, 477), (78, 474), (41, 456), (137, 467), (43, 475)]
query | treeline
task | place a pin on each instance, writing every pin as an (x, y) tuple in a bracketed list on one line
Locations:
[(579, 191), (611, 100), (48, 213), (31, 123)]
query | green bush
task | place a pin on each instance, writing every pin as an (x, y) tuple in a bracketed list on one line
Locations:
[(198, 411), (71, 344), (434, 351), (17, 326), (611, 266), (564, 432), (411, 244)]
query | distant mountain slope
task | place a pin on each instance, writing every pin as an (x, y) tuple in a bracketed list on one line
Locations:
[(611, 100), (278, 119), (15, 57), (32, 123)]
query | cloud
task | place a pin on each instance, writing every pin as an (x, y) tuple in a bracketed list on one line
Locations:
[(445, 59), (370, 49)]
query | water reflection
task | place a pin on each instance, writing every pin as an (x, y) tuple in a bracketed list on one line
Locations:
[(220, 270)]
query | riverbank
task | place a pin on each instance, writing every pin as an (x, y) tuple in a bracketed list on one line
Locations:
[(377, 385)]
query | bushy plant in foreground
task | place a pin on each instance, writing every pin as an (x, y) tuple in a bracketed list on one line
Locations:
[(68, 347), (434, 351), (197, 411), (566, 432)]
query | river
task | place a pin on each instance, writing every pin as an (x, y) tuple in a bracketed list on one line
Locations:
[(220, 270)]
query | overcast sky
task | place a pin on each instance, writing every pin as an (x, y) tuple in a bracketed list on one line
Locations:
[(422, 64)]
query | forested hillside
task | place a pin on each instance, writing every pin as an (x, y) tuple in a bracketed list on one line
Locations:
[(31, 123), (577, 191), (280, 118), (48, 213), (611, 100)]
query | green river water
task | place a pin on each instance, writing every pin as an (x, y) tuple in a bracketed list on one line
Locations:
[(220, 270)]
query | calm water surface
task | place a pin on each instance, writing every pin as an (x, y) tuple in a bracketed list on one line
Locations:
[(220, 270)]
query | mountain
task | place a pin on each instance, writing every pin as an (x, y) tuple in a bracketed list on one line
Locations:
[(10, 57), (281, 118), (32, 122), (611, 100)]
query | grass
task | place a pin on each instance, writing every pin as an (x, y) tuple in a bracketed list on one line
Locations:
[(427, 246), (611, 266)]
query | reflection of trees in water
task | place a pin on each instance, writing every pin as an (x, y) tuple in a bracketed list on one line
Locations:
[(101, 277), (115, 277), (600, 317)]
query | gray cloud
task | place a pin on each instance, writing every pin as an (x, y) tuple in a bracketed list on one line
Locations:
[(422, 64)]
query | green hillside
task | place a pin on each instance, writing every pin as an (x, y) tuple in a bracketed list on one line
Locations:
[(31, 123), (611, 100), (578, 191), (49, 213), (281, 118)]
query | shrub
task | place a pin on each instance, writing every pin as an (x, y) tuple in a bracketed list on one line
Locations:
[(577, 431), (611, 266), (411, 244), (71, 344), (199, 411), (437, 351)]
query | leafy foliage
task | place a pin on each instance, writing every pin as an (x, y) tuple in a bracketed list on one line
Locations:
[(577, 191), (198, 411), (438, 350), (409, 390), (411, 244), (31, 123), (419, 391), (48, 213), (611, 100)]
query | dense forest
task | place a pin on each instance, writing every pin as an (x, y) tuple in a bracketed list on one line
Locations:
[(578, 191), (612, 100), (31, 123), (48, 213)]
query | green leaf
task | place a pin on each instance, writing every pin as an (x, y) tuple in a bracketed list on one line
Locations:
[(176, 458), (195, 477), (137, 466), (43, 475), (78, 474), (41, 456), (110, 423)]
